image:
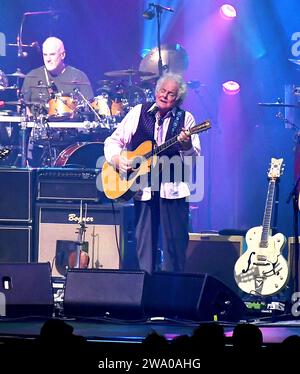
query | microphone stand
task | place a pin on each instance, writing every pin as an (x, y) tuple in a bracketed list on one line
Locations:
[(294, 194), (23, 126), (76, 90), (158, 12)]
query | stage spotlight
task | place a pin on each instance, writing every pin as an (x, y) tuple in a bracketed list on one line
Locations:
[(231, 88), (228, 11)]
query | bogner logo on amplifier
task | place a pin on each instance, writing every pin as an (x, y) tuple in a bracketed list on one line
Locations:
[(74, 218)]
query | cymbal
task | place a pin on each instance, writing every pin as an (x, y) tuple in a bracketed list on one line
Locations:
[(173, 56), (2, 88), (17, 74), (105, 86), (104, 82), (40, 86), (279, 105), (128, 72), (76, 83)]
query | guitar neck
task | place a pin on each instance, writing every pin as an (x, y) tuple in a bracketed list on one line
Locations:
[(268, 214), (162, 147)]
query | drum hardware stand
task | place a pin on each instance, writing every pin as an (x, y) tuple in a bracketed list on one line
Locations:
[(97, 262), (76, 90), (49, 154), (23, 127)]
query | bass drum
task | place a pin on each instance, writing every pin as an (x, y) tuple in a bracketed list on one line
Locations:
[(80, 155)]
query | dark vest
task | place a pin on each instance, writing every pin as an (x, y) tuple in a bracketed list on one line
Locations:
[(146, 126), (145, 131)]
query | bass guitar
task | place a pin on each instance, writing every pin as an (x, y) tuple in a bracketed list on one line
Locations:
[(116, 184), (262, 270)]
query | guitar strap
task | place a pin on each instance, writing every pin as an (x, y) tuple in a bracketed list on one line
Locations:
[(174, 125)]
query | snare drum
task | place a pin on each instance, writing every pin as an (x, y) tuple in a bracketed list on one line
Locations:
[(101, 105), (61, 107)]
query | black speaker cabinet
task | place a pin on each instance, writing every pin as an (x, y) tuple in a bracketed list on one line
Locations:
[(215, 255), (15, 243), (105, 293), (198, 297), (108, 239), (16, 191), (27, 289)]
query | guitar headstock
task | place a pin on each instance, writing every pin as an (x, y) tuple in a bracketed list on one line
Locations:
[(204, 126), (276, 168), (4, 152)]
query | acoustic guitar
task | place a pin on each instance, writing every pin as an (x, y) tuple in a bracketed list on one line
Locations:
[(262, 270), (143, 158)]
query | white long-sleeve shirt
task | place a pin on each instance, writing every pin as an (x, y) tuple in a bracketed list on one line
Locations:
[(121, 137)]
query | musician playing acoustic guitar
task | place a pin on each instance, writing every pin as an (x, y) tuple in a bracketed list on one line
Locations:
[(160, 204)]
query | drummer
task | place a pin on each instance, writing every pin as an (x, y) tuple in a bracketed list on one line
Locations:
[(54, 77)]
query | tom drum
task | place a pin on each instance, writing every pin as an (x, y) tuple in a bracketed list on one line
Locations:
[(61, 107)]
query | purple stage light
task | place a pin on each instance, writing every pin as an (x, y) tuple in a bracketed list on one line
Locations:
[(231, 88), (228, 11)]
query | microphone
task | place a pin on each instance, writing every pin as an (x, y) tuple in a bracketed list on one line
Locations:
[(161, 7), (35, 45), (53, 87), (154, 110), (149, 13)]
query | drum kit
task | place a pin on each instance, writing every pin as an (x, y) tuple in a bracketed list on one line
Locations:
[(115, 96), (51, 144)]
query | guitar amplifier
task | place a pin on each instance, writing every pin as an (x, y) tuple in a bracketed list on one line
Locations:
[(214, 254), (108, 239), (62, 184)]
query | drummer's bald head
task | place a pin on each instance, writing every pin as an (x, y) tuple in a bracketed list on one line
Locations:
[(54, 43)]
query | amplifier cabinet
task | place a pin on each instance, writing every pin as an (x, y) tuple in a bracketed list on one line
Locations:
[(16, 191), (215, 255), (15, 244), (108, 238), (67, 184)]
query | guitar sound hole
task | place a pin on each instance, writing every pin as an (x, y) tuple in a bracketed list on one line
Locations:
[(137, 162)]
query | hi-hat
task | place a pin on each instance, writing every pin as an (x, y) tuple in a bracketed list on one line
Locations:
[(128, 72), (279, 105), (21, 75), (174, 59)]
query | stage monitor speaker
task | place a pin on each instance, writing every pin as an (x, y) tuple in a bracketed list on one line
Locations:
[(214, 254), (16, 195), (27, 289), (198, 297), (105, 293), (108, 239)]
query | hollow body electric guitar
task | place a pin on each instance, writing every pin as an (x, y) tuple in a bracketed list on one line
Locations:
[(116, 184), (262, 270)]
